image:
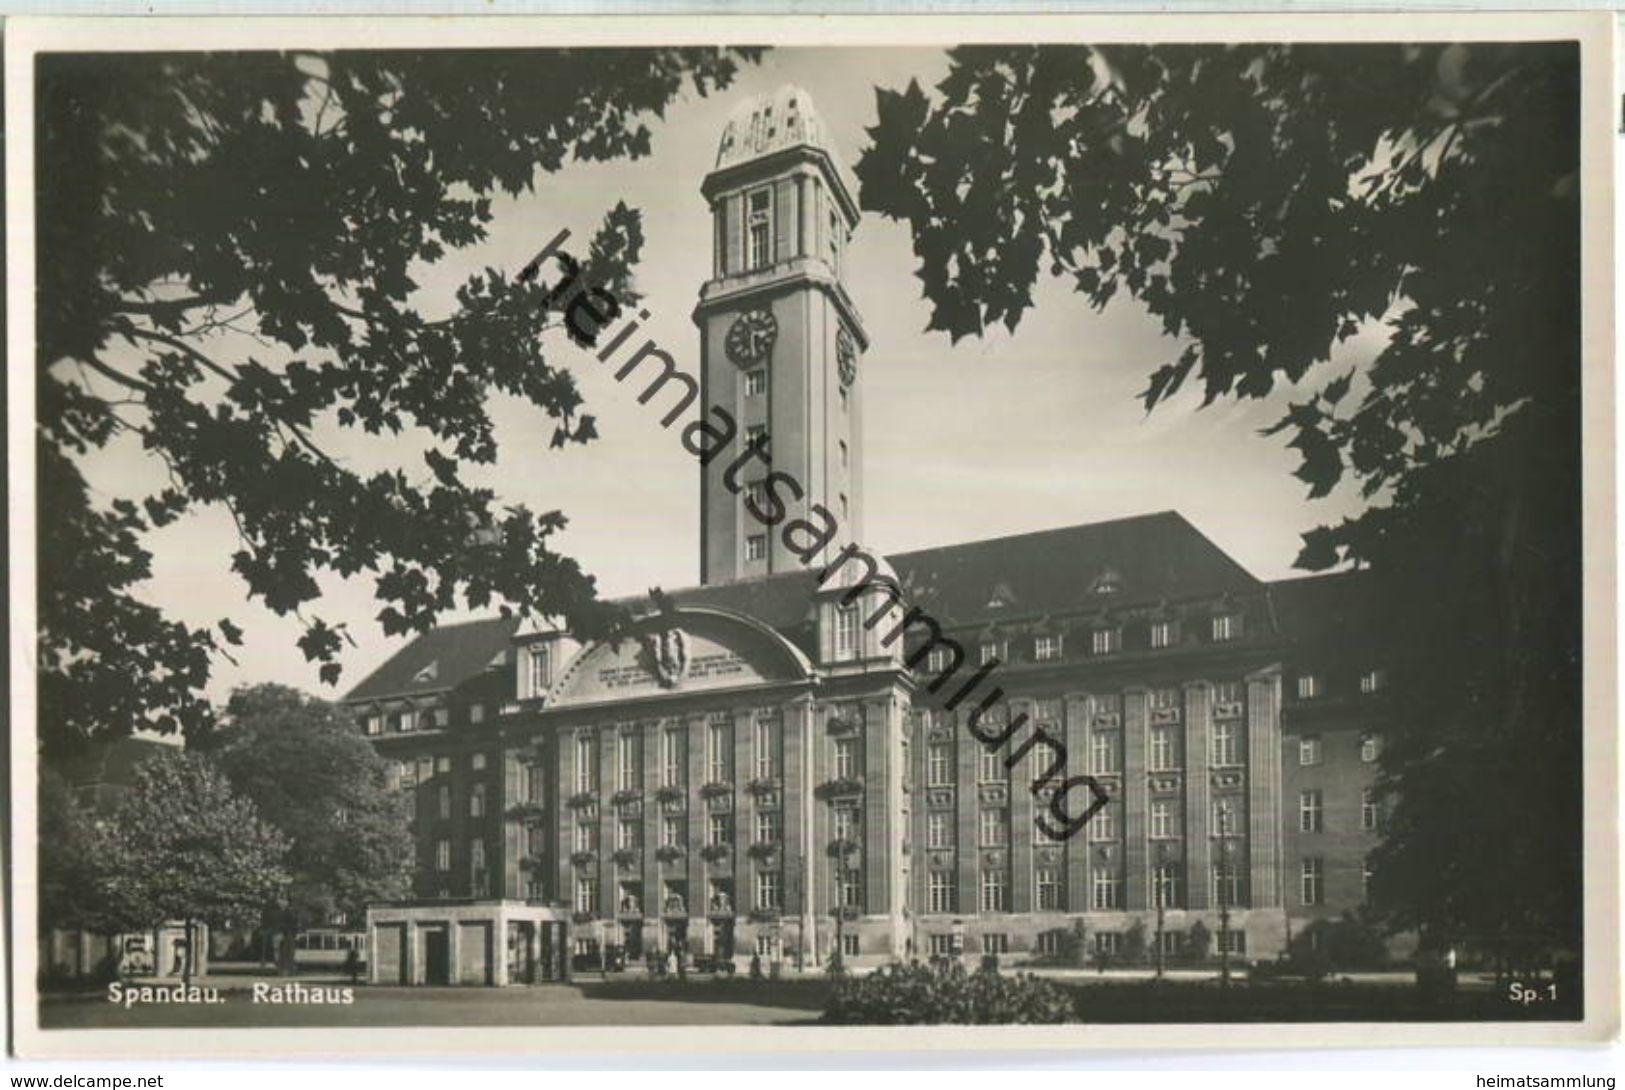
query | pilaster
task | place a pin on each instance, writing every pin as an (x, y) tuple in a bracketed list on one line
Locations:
[(1264, 787), (967, 848), (1136, 847), (1198, 794), (1076, 709), (881, 790), (1022, 832)]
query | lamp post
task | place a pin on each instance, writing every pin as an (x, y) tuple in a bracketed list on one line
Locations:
[(1161, 896), (1224, 912)]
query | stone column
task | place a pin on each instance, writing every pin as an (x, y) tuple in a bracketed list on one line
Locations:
[(1264, 787), (1022, 832), (968, 800), (411, 954), (1198, 794), (1078, 893), (698, 816), (882, 791), (1136, 848), (797, 801)]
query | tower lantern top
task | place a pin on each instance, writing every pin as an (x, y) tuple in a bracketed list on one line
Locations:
[(766, 123)]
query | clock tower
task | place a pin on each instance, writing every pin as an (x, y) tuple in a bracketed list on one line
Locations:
[(781, 345)]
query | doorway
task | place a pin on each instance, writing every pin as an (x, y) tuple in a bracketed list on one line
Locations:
[(436, 955)]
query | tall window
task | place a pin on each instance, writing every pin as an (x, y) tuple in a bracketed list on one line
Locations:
[(720, 829), (442, 856), (939, 829), (756, 382), (1103, 641), (1106, 890), (755, 546), (1309, 750), (756, 435), (991, 767), (476, 801), (1227, 885), (541, 671), (719, 750), (1163, 758), (1165, 885), (940, 894), (849, 888), (759, 229), (989, 652), (1369, 747), (1048, 882), (939, 764), (1046, 648), (1373, 681), (846, 823), (1103, 826), (846, 758), (628, 761), (586, 762), (768, 736), (671, 831), (1165, 699), (1308, 686), (1309, 811), (1162, 819), (443, 802), (846, 632), (1310, 890), (586, 894), (1103, 751), (1162, 634), (626, 834), (995, 890), (767, 827), (995, 827), (769, 891), (1224, 817), (586, 836), (375, 724), (671, 757), (1368, 809), (1226, 626), (1226, 751), (1228, 692)]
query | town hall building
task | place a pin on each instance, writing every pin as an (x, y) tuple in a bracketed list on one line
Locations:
[(793, 758)]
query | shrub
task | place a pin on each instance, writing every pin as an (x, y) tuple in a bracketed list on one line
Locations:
[(918, 994), (1199, 943), (1134, 949)]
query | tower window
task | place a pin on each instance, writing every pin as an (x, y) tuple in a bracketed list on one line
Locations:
[(756, 435), (759, 228), (756, 382), (756, 547)]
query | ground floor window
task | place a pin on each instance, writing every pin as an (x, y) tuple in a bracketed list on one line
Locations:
[(996, 942), (849, 945), (1232, 942), (1108, 942), (942, 945), (1170, 941), (767, 946), (1049, 942)]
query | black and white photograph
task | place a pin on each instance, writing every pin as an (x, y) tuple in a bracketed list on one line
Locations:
[(565, 527)]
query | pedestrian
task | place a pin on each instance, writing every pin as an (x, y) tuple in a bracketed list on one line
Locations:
[(352, 965)]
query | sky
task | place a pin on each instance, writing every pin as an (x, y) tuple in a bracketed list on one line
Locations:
[(993, 436)]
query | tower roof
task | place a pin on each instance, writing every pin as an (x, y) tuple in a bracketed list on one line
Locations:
[(767, 123)]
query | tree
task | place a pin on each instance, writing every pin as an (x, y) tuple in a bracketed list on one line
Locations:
[(1264, 203), (313, 777), (187, 847), (75, 853), (231, 249)]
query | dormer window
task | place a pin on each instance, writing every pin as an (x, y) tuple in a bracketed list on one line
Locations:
[(846, 632), (991, 651), (427, 674), (1046, 648), (1000, 597), (1162, 634), (1226, 626), (1109, 581), (540, 674), (1105, 641)]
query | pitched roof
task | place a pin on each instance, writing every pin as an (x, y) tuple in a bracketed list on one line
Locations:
[(1147, 558), (1326, 611), (441, 658)]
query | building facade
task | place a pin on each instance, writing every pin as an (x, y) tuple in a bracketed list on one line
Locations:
[(817, 750)]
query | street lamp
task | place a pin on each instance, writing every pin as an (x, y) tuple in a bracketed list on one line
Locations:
[(1224, 912), (1161, 896)]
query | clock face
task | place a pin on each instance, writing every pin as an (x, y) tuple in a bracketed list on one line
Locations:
[(750, 338), (846, 356)]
